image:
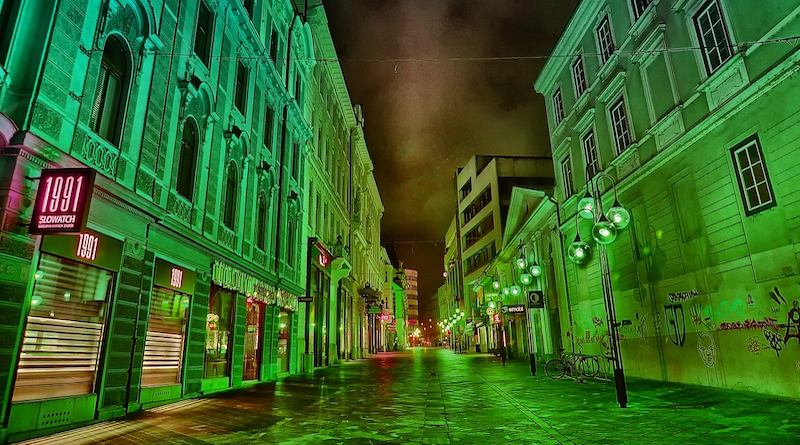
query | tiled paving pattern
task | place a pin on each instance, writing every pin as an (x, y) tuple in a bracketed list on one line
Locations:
[(432, 396)]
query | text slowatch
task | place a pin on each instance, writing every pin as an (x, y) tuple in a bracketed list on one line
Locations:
[(62, 201)]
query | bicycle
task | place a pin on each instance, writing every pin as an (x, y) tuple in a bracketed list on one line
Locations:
[(586, 365)]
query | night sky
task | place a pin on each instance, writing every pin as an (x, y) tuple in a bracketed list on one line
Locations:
[(424, 119)]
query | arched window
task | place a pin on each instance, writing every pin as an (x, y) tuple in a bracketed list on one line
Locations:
[(290, 244), (108, 109), (261, 221), (231, 196), (187, 163)]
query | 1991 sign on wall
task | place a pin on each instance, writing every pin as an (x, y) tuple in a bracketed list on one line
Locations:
[(62, 201)]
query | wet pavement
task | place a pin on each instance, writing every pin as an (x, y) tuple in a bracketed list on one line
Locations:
[(433, 396)]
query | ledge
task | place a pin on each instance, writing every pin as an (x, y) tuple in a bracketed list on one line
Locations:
[(725, 82)]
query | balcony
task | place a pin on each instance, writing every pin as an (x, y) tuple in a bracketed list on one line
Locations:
[(99, 154)]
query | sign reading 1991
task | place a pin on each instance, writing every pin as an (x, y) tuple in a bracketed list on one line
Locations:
[(62, 201)]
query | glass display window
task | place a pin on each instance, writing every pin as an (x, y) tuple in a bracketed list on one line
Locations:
[(218, 333), (64, 330), (165, 338), (283, 341), (252, 339)]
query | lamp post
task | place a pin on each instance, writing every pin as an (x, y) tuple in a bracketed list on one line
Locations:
[(528, 272), (604, 232)]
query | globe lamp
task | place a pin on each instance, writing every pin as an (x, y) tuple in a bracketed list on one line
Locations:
[(586, 206), (579, 252), (526, 278), (604, 231), (619, 216)]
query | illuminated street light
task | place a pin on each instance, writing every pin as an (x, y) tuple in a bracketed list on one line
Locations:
[(586, 205)]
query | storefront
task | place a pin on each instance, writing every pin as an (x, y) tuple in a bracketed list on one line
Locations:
[(284, 340), (253, 335), (165, 339), (58, 373), (321, 322)]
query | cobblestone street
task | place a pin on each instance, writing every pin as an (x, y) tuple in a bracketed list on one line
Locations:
[(433, 396)]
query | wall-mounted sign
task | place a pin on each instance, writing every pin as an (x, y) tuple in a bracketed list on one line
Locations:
[(497, 319), (88, 247), (174, 277), (306, 299), (321, 254), (514, 309), (62, 201), (374, 310), (536, 299)]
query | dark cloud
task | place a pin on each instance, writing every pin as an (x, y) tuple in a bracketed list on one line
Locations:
[(424, 119)]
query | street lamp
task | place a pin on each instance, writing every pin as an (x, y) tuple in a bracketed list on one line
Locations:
[(604, 232)]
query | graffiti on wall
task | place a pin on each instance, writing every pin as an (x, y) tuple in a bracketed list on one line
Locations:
[(707, 349), (677, 297), (675, 323), (792, 323), (701, 316)]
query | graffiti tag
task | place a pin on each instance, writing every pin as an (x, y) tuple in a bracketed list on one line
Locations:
[(793, 322), (676, 325), (775, 341), (768, 322), (676, 297)]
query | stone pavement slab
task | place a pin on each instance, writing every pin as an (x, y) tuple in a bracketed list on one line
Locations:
[(432, 396)]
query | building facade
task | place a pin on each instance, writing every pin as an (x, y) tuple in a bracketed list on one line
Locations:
[(483, 192), (689, 107), (189, 124)]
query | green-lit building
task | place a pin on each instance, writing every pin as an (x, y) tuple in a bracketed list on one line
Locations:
[(691, 107), (194, 119)]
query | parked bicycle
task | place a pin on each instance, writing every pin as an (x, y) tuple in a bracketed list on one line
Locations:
[(583, 365)]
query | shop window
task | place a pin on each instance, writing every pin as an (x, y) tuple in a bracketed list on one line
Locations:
[(166, 334), (218, 334), (283, 341), (108, 107), (605, 41), (204, 33), (187, 163), (252, 339), (63, 331), (231, 196), (713, 35), (261, 221), (751, 173), (240, 93)]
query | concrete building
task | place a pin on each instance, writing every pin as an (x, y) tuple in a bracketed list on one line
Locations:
[(690, 107), (412, 297), (483, 191)]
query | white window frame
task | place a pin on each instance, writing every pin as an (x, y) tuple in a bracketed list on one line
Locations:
[(703, 9), (566, 177), (638, 9), (621, 129), (558, 106), (591, 155), (580, 82), (752, 146), (604, 40)]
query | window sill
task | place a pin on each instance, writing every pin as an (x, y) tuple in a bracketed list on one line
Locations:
[(644, 21), (725, 82), (611, 64)]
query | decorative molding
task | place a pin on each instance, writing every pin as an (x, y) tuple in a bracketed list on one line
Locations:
[(627, 161), (584, 122), (226, 237), (99, 154), (725, 82), (180, 207), (649, 15), (668, 129), (613, 88)]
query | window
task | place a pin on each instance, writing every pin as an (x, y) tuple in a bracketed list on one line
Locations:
[(63, 330), (273, 46), (751, 172), (590, 152), (269, 124), (187, 161), (203, 34), (579, 77), (481, 258), (477, 205), (619, 121), (298, 88), (476, 234), (248, 6), (231, 195), (713, 35), (566, 176), (240, 98), (639, 6), (8, 12), (558, 106), (296, 161), (605, 42), (108, 108), (466, 189), (261, 221), (290, 244)]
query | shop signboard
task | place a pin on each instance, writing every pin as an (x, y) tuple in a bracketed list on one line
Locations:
[(62, 201), (88, 247), (174, 277), (513, 309), (374, 310), (320, 255), (536, 299), (306, 299)]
